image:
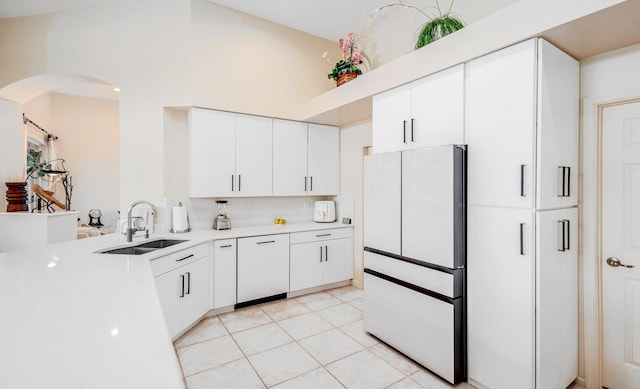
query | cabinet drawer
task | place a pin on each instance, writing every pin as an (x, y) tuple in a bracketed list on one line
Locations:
[(180, 258), (424, 277), (314, 236)]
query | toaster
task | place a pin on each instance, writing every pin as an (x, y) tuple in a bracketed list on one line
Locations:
[(324, 211)]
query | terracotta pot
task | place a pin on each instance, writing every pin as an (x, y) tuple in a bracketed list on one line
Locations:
[(346, 77)]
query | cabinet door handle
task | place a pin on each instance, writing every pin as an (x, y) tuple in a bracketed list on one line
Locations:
[(239, 182), (226, 246), (182, 282), (326, 253), (266, 241), (404, 131), (233, 179), (321, 235), (522, 170), (564, 181), (522, 239), (182, 259), (311, 184), (305, 183), (188, 282), (412, 129), (568, 181), (564, 232), (561, 173), (320, 253)]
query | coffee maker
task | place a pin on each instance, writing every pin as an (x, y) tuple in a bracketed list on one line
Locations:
[(221, 221)]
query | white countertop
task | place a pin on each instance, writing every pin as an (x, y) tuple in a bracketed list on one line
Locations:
[(72, 318)]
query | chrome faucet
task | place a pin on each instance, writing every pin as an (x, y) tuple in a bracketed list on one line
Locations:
[(130, 229)]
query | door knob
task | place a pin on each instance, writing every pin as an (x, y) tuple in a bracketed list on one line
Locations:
[(615, 262)]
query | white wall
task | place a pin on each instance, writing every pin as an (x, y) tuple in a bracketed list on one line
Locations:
[(604, 78), (88, 131), (12, 157), (353, 139)]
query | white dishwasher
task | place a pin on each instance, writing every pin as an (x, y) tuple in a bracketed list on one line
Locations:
[(263, 267)]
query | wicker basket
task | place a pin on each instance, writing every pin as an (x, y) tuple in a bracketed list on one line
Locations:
[(346, 77)]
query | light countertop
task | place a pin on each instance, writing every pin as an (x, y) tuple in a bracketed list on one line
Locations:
[(72, 318)]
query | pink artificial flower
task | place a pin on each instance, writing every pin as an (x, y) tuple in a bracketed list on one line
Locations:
[(325, 54)]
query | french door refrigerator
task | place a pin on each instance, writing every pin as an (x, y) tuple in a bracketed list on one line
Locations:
[(415, 254)]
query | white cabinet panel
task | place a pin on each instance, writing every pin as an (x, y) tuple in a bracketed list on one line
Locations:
[(224, 273), (320, 257), (323, 160), (382, 202), (263, 266), (558, 138), (338, 260), (501, 114), (391, 111), (212, 162), (307, 260), (289, 158), (196, 301), (253, 156), (500, 292), (557, 298), (437, 109), (169, 287), (428, 205)]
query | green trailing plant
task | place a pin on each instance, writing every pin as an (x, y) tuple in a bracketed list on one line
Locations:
[(439, 25)]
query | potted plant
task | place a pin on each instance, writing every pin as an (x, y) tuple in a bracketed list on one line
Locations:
[(439, 24), (346, 69)]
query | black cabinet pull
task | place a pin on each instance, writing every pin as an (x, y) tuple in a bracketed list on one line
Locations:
[(311, 184), (182, 282), (188, 283), (564, 230), (521, 238), (404, 131), (564, 178), (568, 178), (233, 189), (239, 182), (568, 234), (326, 253), (305, 183), (412, 129), (266, 241), (522, 168), (226, 246), (320, 253), (182, 259), (321, 235)]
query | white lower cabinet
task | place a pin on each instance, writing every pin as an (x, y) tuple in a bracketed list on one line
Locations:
[(224, 273), (263, 266), (182, 280), (522, 282), (320, 257)]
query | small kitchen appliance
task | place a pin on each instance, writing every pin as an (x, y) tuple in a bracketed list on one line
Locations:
[(222, 222), (324, 211)]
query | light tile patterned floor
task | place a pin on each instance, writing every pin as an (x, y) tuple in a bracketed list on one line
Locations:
[(312, 341)]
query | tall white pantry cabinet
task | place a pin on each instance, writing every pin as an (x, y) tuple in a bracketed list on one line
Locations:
[(522, 262)]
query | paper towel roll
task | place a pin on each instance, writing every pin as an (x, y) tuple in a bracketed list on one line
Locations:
[(180, 221)]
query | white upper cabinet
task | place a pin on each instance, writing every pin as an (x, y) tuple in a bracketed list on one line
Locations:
[(253, 155), (229, 154), (323, 160), (212, 153), (306, 159), (523, 135), (558, 128), (289, 158), (425, 113)]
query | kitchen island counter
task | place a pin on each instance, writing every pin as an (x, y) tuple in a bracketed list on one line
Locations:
[(74, 318)]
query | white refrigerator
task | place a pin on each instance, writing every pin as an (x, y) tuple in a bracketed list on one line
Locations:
[(415, 255)]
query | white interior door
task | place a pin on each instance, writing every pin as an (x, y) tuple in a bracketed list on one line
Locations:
[(621, 240)]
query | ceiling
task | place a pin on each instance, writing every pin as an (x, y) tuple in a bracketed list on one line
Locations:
[(328, 19)]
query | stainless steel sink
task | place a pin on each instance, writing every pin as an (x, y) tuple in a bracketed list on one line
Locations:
[(143, 248)]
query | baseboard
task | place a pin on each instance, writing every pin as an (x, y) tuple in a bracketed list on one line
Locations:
[(580, 381), (318, 288)]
